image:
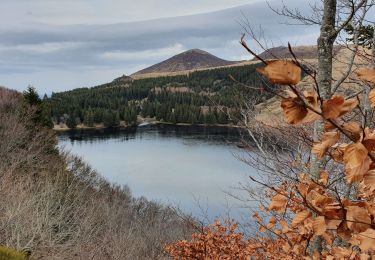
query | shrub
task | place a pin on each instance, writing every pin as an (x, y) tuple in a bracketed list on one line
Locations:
[(7, 253)]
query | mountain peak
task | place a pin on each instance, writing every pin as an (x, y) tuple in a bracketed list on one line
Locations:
[(198, 51), (189, 60)]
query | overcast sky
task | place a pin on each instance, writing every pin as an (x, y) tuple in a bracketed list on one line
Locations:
[(59, 45)]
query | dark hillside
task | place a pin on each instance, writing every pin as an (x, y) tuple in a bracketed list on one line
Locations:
[(201, 97)]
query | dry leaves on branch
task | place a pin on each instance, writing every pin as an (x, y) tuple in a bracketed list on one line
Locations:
[(300, 217), (353, 129), (357, 162), (371, 97), (338, 106), (369, 180), (366, 74), (324, 175), (338, 152), (365, 240), (295, 111), (369, 140), (319, 226), (278, 203), (358, 218), (281, 72), (320, 208), (271, 223), (328, 139)]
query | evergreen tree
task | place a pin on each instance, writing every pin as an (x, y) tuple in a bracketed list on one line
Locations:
[(365, 34), (31, 96), (71, 122), (110, 119), (210, 117), (43, 113), (89, 118)]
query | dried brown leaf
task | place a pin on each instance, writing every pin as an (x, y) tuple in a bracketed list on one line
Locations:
[(328, 139), (338, 152), (342, 252), (337, 106), (285, 226), (356, 162), (366, 239), (358, 218), (278, 203), (282, 72), (271, 223), (295, 111), (333, 223), (366, 74), (371, 97), (324, 175), (319, 226), (369, 180), (353, 129), (300, 217)]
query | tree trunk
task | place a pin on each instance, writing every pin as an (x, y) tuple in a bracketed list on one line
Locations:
[(366, 102), (325, 48), (369, 111), (324, 78)]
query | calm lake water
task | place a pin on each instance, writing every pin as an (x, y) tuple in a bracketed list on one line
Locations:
[(190, 167)]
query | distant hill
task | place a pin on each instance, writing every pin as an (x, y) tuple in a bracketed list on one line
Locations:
[(189, 60), (197, 60), (301, 52)]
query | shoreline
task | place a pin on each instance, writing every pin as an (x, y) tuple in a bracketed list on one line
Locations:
[(97, 127)]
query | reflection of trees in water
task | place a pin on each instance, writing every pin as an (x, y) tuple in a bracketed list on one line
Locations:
[(190, 133)]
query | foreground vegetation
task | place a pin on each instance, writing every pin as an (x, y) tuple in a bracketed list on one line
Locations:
[(317, 199), (55, 206)]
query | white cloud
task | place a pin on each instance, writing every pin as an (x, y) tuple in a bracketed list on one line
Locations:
[(59, 12), (33, 49), (41, 48)]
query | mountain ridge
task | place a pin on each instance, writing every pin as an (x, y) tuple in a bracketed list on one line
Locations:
[(198, 60), (192, 59)]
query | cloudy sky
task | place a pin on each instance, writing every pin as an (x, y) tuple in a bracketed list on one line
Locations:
[(59, 45)]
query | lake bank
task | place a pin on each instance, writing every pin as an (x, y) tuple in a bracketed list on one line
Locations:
[(63, 127)]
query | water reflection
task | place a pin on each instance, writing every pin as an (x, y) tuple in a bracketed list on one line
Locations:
[(179, 165)]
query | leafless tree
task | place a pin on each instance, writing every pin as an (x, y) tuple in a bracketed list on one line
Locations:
[(56, 207)]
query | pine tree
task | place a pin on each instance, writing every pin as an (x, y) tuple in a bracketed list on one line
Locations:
[(71, 122), (89, 118)]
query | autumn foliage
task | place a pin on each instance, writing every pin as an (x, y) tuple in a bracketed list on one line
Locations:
[(312, 208)]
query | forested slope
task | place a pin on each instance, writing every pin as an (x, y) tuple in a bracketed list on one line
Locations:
[(201, 97)]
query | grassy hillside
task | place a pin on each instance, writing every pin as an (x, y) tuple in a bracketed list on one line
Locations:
[(201, 97), (56, 207)]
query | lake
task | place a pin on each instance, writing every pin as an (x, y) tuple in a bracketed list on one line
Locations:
[(191, 167)]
